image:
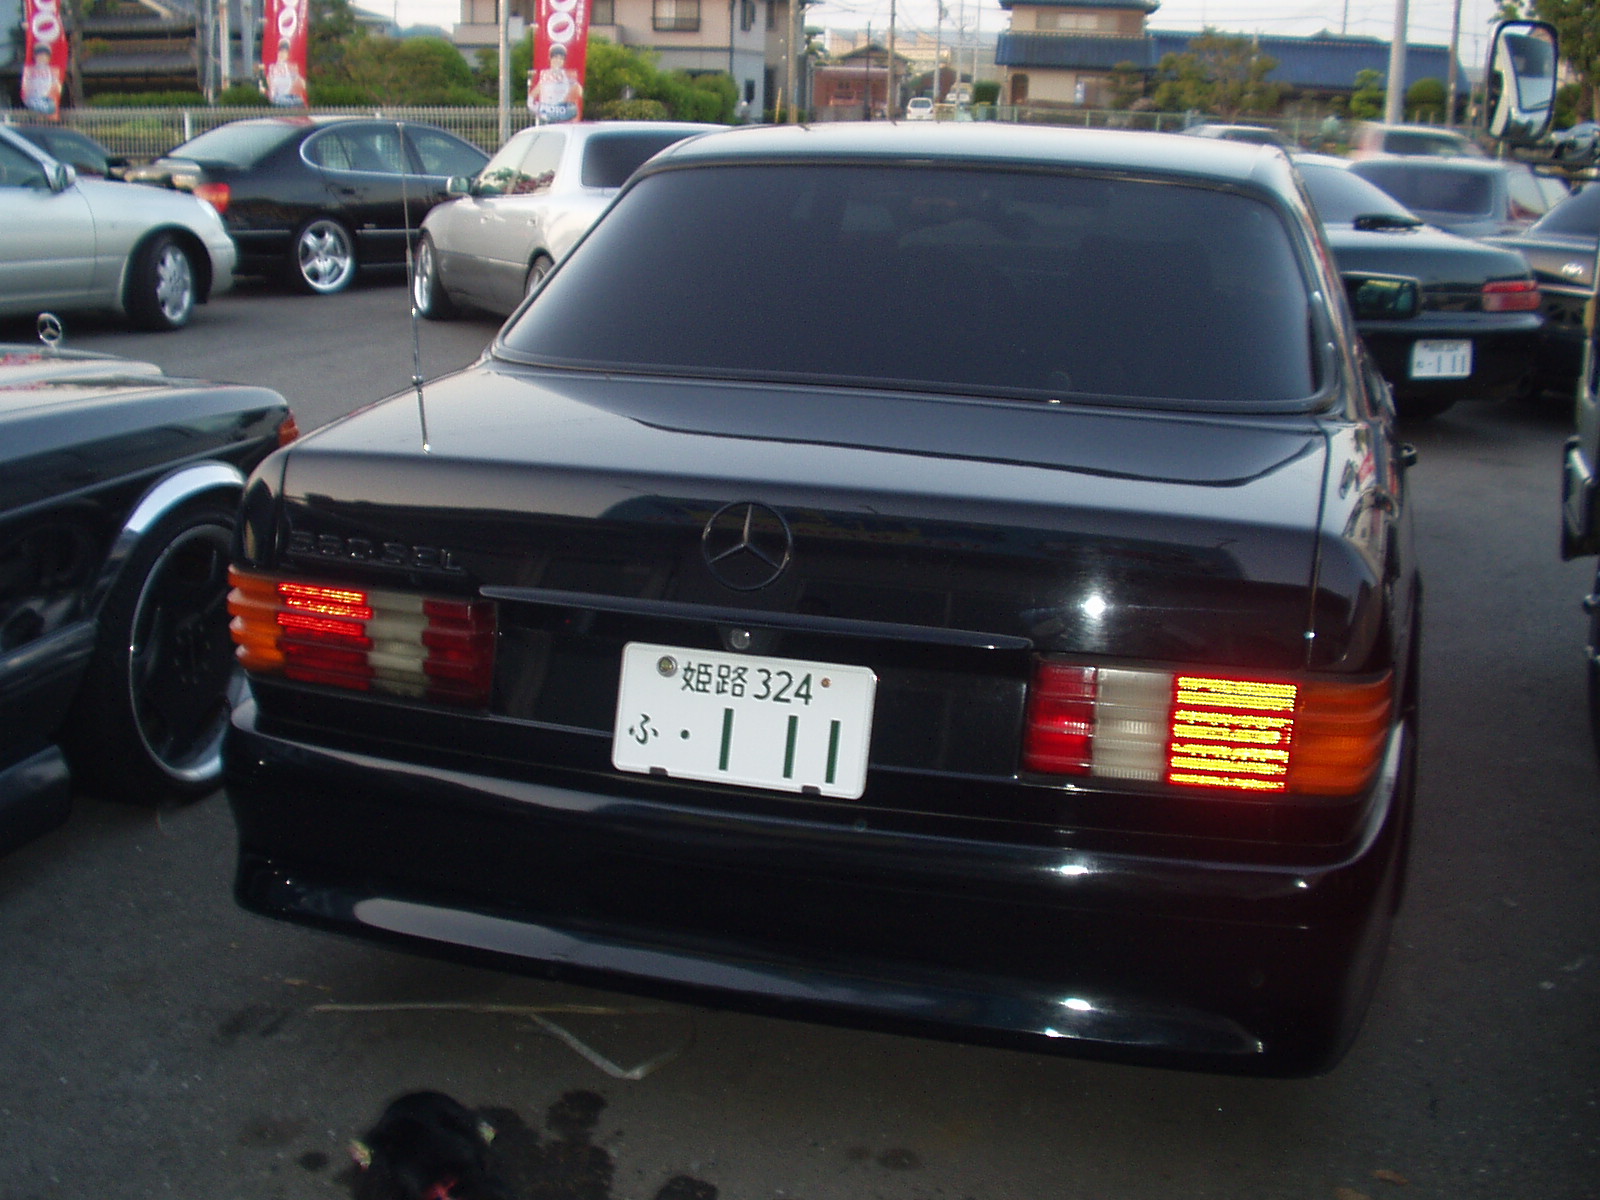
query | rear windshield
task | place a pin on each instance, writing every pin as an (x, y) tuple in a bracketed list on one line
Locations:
[(1340, 196), (240, 144), (1578, 216), (1425, 188), (990, 282), (609, 158)]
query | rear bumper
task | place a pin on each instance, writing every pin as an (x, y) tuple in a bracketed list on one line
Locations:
[(1503, 354), (1239, 968)]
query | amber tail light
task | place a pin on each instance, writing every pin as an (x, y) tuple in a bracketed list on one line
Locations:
[(364, 639), (1210, 730)]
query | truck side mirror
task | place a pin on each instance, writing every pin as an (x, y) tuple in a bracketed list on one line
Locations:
[(1522, 81)]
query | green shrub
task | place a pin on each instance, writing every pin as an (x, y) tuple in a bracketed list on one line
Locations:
[(148, 100), (634, 110)]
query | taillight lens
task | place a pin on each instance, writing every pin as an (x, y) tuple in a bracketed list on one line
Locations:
[(288, 430), (1511, 295), (433, 648), (1210, 730), (215, 194)]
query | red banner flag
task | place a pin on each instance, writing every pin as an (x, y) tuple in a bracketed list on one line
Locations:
[(283, 51), (560, 54), (46, 63)]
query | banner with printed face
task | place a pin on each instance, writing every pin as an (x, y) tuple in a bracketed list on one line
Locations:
[(45, 62), (283, 51), (560, 53)]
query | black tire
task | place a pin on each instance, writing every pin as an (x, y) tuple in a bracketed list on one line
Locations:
[(428, 293), (157, 697), (322, 257), (163, 285), (539, 268)]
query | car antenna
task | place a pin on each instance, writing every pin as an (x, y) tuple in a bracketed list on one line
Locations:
[(411, 286)]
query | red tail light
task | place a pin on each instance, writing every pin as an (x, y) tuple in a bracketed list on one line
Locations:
[(215, 194), (438, 649), (1511, 295), (1206, 730)]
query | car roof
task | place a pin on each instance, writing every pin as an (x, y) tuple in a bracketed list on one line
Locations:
[(990, 144), (1428, 162)]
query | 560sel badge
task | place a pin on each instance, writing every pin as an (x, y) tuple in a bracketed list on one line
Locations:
[(304, 543)]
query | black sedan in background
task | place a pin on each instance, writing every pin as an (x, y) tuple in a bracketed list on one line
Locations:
[(314, 198), (87, 156), (750, 629), (1478, 332), (1560, 247), (118, 488)]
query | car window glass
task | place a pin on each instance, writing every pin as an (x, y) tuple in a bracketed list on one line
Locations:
[(1340, 196), (1423, 189), (503, 173), (1408, 141), (1578, 216), (1068, 286), (539, 166), (239, 144), (441, 154), (19, 170), (609, 158)]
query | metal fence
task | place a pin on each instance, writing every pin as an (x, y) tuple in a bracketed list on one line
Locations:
[(146, 133)]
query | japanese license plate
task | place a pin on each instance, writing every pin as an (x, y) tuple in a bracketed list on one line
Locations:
[(1438, 358), (774, 723)]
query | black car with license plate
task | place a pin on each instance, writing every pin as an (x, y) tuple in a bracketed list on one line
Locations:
[(1042, 674), (1479, 330), (117, 494), (314, 199)]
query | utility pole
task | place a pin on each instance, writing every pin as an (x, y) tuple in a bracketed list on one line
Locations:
[(504, 60), (1455, 68), (891, 102), (1394, 99)]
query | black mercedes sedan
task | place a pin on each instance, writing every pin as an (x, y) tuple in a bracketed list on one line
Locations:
[(118, 487), (1560, 247), (1038, 671), (315, 198), (1478, 334)]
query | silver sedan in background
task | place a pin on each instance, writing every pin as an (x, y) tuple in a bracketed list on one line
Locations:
[(70, 243), (526, 208)]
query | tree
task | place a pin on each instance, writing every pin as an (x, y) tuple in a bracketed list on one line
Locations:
[(1426, 99), (1577, 24), (1219, 73), (332, 28), (1126, 85), (420, 71), (1367, 101)]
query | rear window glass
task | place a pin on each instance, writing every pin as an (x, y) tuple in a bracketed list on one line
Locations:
[(239, 144), (1429, 189), (988, 282), (1340, 196), (609, 158), (1578, 216)]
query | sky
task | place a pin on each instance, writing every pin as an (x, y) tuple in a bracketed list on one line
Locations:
[(1428, 21)]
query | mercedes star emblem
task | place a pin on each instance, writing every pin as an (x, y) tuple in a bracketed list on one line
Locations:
[(746, 545)]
